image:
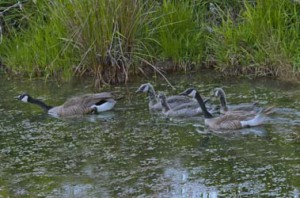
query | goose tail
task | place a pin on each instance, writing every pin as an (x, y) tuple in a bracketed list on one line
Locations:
[(259, 119)]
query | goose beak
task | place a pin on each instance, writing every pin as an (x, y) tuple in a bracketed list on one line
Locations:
[(17, 97)]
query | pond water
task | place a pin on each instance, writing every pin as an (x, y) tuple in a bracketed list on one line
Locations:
[(129, 152)]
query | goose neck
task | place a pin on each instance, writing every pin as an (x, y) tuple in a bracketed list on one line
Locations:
[(202, 106), (164, 104), (152, 96), (40, 103), (223, 102)]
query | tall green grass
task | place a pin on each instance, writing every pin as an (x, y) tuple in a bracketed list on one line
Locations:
[(180, 36), (114, 39), (107, 39), (38, 50), (262, 42)]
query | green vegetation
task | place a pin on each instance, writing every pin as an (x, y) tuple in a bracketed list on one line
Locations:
[(113, 39), (263, 42)]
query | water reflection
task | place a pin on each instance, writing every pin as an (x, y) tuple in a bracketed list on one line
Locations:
[(181, 186)]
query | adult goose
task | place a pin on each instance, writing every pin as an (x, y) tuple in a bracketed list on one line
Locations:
[(173, 101), (230, 122), (79, 105), (247, 108), (178, 111)]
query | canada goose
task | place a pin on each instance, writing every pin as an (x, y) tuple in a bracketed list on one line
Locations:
[(251, 108), (179, 111), (173, 101), (77, 105), (228, 121)]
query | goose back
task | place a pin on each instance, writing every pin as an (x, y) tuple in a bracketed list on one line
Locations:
[(88, 100), (230, 122)]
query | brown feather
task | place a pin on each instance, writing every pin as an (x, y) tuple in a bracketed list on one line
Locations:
[(80, 105), (226, 121), (87, 99)]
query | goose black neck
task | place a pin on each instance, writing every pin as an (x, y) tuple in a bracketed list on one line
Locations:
[(164, 105), (223, 102), (40, 103), (202, 105)]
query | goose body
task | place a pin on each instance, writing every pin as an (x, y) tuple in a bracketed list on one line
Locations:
[(176, 101), (179, 111), (230, 121), (79, 105), (247, 108)]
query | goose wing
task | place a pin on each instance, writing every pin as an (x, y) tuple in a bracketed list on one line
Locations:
[(232, 121), (74, 110), (87, 100)]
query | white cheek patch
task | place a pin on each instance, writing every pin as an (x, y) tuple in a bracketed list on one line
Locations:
[(217, 93), (24, 99), (193, 93), (146, 89)]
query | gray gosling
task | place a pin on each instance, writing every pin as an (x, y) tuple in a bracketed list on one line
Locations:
[(79, 105), (173, 101), (247, 108), (228, 122), (179, 111)]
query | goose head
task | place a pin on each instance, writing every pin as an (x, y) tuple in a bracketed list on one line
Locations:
[(191, 92), (24, 97), (144, 88)]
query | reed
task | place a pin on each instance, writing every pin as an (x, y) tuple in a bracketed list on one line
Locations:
[(262, 42), (114, 39), (180, 35), (38, 50)]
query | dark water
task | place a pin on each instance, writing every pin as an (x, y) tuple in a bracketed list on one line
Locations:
[(130, 153)]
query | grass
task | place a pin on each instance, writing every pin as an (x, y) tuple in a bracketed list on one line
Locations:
[(180, 37), (262, 43), (112, 40)]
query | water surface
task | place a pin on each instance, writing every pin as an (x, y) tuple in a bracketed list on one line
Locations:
[(130, 152)]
